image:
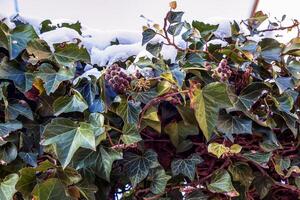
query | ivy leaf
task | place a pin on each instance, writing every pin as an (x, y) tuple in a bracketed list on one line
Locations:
[(263, 185), (66, 104), (7, 186), (217, 149), (205, 30), (8, 127), (234, 125), (39, 48), (88, 89), (178, 131), (15, 41), (148, 34), (29, 158), (12, 70), (221, 183), (293, 47), (242, 173), (51, 78), (129, 111), (68, 136), (27, 181), (154, 49), (151, 119), (284, 83), (270, 49), (8, 153), (145, 96), (97, 122), (15, 109), (51, 189), (99, 162), (208, 101), (69, 53), (175, 29), (258, 157), (174, 17), (186, 167), (130, 134), (138, 166), (294, 68), (159, 180)]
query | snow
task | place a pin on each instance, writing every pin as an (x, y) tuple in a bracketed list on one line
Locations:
[(60, 35), (103, 39), (114, 53), (91, 72)]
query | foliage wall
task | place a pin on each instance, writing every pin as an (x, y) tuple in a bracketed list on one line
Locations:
[(222, 122)]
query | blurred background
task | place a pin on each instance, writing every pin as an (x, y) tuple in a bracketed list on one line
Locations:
[(125, 14)]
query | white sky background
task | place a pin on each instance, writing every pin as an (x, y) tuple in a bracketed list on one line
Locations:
[(124, 14)]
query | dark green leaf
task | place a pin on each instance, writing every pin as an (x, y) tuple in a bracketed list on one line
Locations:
[(186, 167), (68, 136), (154, 49), (148, 34), (138, 166)]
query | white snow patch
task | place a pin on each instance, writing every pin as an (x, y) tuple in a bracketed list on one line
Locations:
[(102, 39), (114, 53), (60, 35), (92, 72)]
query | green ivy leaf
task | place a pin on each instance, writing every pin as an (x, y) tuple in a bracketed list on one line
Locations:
[(52, 78), (174, 17), (221, 183), (175, 29), (8, 153), (69, 53), (186, 167), (270, 50), (151, 119), (129, 111), (159, 180), (258, 157), (99, 162), (68, 136), (234, 125), (97, 122), (284, 83), (27, 181), (15, 41), (205, 30), (294, 68), (39, 48), (242, 173), (8, 127), (51, 189), (130, 134), (138, 166), (7, 186), (154, 49), (263, 185), (178, 131), (148, 34), (208, 102), (66, 104), (11, 70), (15, 109), (293, 47)]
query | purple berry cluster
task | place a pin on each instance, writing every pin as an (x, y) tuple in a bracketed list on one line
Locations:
[(223, 70), (117, 79)]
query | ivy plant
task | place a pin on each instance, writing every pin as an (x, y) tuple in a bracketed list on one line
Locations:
[(219, 122)]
